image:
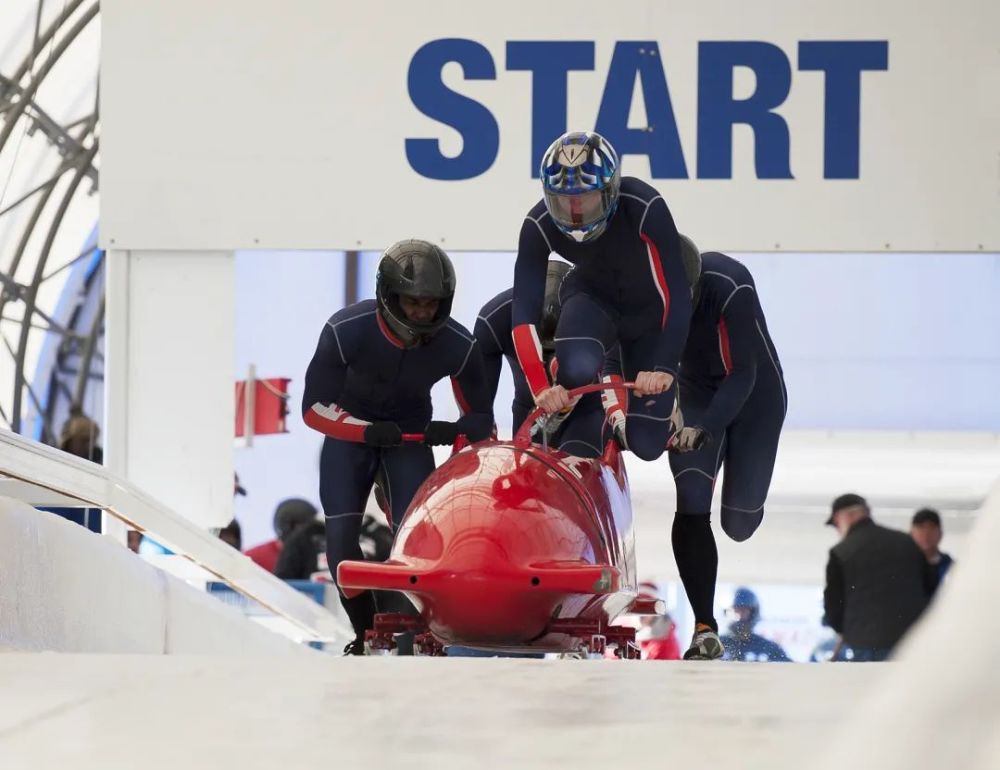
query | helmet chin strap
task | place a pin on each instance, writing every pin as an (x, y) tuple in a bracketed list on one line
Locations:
[(398, 327), (411, 338)]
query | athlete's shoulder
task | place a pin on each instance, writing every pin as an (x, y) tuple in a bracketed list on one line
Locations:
[(457, 330), (716, 266), (497, 304), (538, 232), (635, 192), (359, 310), (538, 213)]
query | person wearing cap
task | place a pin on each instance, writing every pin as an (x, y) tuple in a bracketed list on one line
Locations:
[(288, 516), (877, 582), (925, 529), (741, 642)]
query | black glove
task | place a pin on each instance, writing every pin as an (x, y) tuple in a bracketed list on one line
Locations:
[(439, 433), (383, 434), (690, 439), (618, 431)]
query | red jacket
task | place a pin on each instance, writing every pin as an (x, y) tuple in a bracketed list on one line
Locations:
[(661, 649), (266, 554)]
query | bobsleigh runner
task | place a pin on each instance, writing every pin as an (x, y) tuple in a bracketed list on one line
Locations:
[(512, 546)]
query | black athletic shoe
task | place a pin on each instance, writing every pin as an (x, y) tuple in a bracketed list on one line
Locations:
[(705, 645), (355, 647)]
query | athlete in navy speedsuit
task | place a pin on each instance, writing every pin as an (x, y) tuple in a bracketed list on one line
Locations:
[(583, 435), (628, 288), (370, 381), (732, 403)]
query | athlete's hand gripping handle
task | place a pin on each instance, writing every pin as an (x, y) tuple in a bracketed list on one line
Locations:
[(523, 435), (441, 433), (383, 434)]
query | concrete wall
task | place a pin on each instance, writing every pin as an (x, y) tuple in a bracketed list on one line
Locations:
[(65, 589)]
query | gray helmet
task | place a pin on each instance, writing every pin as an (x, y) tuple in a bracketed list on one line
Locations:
[(692, 267), (416, 269)]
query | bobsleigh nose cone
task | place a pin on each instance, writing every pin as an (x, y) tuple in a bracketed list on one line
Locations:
[(481, 595)]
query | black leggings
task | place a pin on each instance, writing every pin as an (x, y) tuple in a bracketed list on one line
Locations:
[(347, 472)]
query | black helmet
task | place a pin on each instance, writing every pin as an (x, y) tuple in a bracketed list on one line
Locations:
[(416, 269), (692, 267), (291, 514), (554, 276)]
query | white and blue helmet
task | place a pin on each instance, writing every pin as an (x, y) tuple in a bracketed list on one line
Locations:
[(581, 178)]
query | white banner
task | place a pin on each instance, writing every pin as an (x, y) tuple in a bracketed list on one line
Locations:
[(853, 125)]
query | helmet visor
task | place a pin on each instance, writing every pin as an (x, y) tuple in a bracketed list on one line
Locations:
[(579, 210)]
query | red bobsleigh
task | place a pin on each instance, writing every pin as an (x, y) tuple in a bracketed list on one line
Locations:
[(513, 546)]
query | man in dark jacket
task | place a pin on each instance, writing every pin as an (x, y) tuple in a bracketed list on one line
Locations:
[(877, 582)]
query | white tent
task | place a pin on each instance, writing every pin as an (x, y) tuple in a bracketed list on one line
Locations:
[(49, 132)]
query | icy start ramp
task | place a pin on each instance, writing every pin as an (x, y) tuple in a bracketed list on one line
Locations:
[(197, 713)]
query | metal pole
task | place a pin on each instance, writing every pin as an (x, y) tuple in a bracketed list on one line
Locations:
[(250, 406), (29, 93), (351, 263), (87, 356), (29, 301)]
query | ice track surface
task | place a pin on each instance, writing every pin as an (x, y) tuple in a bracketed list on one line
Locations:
[(194, 712)]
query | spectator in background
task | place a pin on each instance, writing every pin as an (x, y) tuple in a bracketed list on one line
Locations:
[(657, 634), (741, 643), (232, 534), (303, 555), (79, 437), (877, 582), (288, 517), (925, 529)]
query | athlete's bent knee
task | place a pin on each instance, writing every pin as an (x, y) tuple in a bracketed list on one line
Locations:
[(647, 442), (740, 525)]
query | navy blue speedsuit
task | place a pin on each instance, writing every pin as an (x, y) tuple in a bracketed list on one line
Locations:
[(732, 386), (583, 434), (628, 287), (361, 373)]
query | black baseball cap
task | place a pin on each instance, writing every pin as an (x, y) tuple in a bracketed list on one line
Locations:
[(845, 501), (927, 516)]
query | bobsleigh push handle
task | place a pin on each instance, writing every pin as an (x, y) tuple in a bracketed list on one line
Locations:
[(523, 435), (418, 438)]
